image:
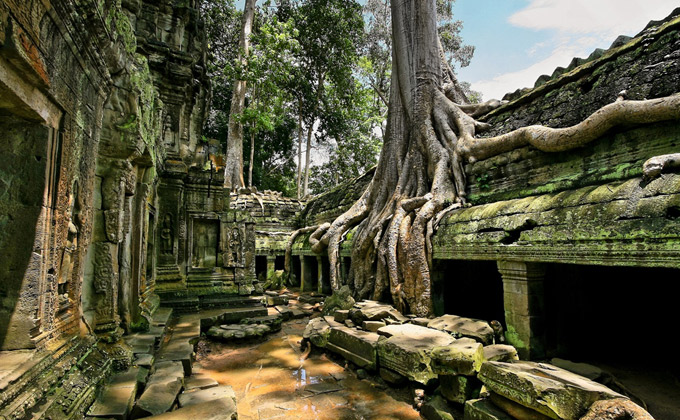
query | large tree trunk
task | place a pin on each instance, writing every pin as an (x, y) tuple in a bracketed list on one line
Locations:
[(420, 173), (233, 171)]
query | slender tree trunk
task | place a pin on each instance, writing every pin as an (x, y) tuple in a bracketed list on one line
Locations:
[(233, 171), (319, 93), (299, 169), (252, 158), (305, 189)]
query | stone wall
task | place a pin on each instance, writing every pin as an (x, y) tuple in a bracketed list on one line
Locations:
[(98, 100)]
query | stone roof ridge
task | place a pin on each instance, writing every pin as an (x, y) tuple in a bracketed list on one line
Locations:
[(620, 41)]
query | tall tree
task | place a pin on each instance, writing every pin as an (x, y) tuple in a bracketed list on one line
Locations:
[(328, 34), (233, 171), (420, 174)]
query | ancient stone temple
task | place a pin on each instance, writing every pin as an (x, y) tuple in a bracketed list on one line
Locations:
[(117, 239)]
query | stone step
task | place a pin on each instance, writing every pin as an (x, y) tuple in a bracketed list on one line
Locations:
[(117, 398), (206, 395), (163, 387), (221, 409), (359, 347), (180, 346), (161, 317), (196, 382)]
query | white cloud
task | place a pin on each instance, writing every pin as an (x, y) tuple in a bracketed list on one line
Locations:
[(612, 17), (576, 28), (504, 83)]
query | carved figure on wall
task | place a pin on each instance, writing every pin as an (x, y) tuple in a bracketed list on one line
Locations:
[(70, 246), (236, 247), (167, 235)]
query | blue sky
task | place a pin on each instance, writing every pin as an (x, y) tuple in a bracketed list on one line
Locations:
[(518, 40)]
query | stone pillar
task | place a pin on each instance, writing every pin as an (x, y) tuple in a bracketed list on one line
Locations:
[(523, 297), (306, 279), (319, 276), (271, 266)]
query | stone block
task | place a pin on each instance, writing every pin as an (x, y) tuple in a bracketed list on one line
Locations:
[(117, 398), (178, 352), (359, 347), (317, 331), (285, 312), (458, 388), (408, 350), (275, 300), (205, 395), (460, 326), (483, 409), (369, 310), (341, 315), (547, 389), (222, 409), (500, 353), (372, 326), (462, 357), (391, 376), (195, 382), (157, 398), (438, 409)]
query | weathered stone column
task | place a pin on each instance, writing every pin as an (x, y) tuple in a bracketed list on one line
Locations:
[(523, 297), (319, 276), (271, 266), (306, 280)]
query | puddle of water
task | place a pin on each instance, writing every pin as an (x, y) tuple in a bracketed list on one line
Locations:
[(272, 382)]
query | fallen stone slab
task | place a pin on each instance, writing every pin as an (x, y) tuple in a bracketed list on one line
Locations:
[(165, 372), (117, 398), (178, 352), (391, 376), (341, 315), (233, 316), (551, 391), (372, 326), (374, 311), (157, 399), (408, 350), (483, 409), (438, 409), (144, 360), (515, 410), (462, 357), (458, 388), (500, 353), (188, 331), (317, 331), (285, 312), (460, 326), (275, 300), (141, 343), (298, 313), (206, 395), (359, 347), (222, 409), (616, 409), (196, 382)]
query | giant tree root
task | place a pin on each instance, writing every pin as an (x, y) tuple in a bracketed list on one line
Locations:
[(430, 134), (653, 167)]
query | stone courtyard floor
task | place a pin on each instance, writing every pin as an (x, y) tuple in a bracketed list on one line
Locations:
[(273, 380)]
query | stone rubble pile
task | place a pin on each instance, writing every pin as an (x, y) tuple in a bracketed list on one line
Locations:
[(472, 377), (251, 323)]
